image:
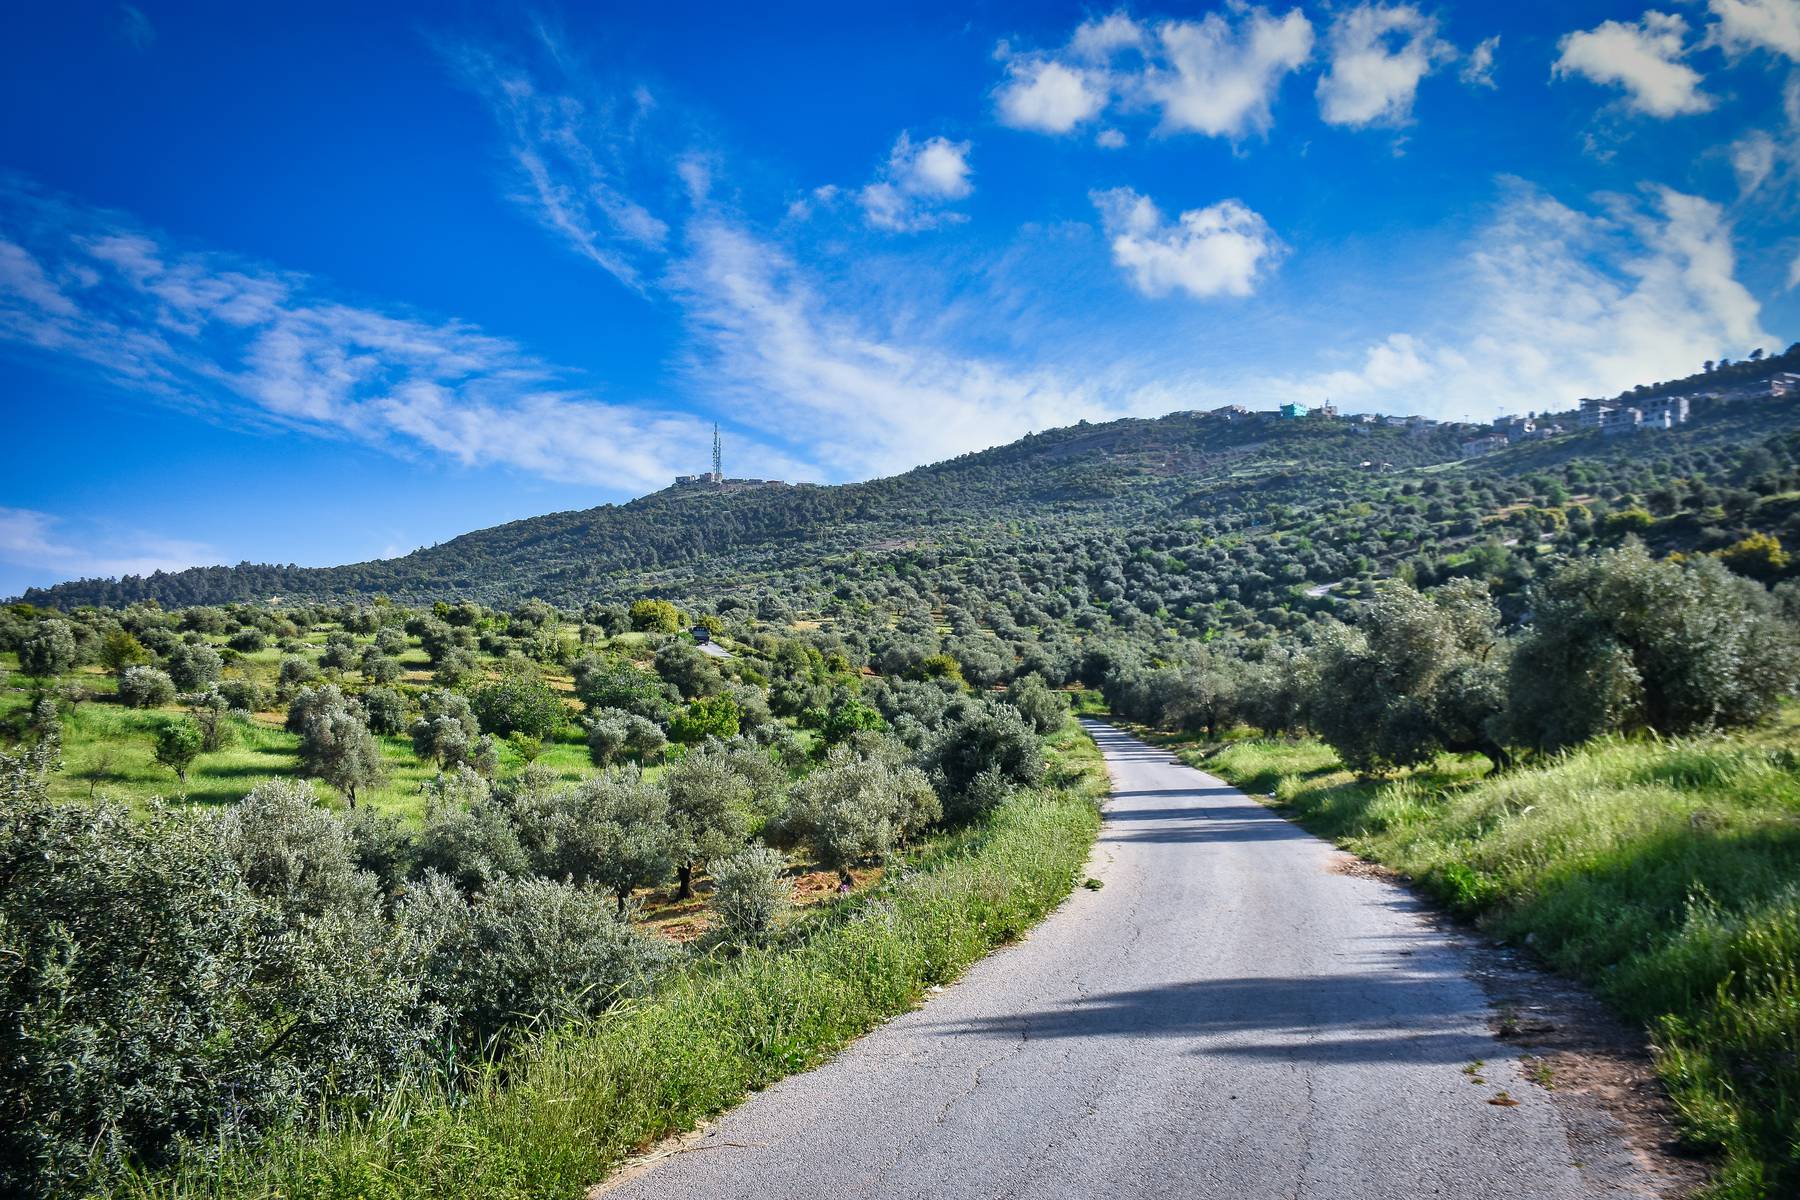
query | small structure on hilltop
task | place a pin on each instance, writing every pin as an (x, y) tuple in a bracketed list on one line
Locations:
[(1292, 411), (715, 478)]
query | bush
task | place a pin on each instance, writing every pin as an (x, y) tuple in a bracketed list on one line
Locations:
[(526, 954), (145, 687), (613, 732), (194, 666), (750, 891), (520, 703), (992, 740), (1047, 710), (1623, 642), (711, 717)]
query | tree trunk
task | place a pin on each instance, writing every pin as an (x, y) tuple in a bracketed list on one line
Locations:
[(686, 874)]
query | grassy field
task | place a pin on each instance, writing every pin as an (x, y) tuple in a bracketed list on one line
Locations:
[(560, 1116), (110, 750), (1665, 874)]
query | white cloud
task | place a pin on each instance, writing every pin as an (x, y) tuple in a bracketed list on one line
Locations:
[(1220, 80), (1216, 75), (1379, 54), (1793, 280), (1110, 139), (1478, 67), (568, 160), (863, 402), (1644, 59), (1561, 304), (916, 182), (271, 348), (1049, 96), (133, 28), (1745, 25), (1220, 250), (1753, 160), (39, 543)]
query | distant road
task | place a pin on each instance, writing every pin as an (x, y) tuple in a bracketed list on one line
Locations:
[(1228, 1017)]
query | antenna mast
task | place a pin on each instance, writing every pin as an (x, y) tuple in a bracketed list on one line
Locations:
[(718, 456)]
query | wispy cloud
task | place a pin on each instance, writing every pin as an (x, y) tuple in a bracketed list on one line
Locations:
[(212, 331), (568, 148), (1478, 67), (43, 547), (1644, 58), (132, 27), (1564, 303)]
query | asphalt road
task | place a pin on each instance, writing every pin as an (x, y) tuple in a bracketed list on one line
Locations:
[(1230, 1016)]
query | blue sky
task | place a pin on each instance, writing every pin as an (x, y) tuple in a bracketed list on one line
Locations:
[(319, 283)]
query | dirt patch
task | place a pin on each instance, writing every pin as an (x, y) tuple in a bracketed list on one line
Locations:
[(1598, 1071), (1342, 863), (1595, 1067), (815, 887)]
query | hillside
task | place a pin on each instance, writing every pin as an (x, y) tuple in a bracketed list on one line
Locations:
[(1224, 471)]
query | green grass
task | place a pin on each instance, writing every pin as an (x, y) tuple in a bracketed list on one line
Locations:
[(557, 1119), (1665, 874), (110, 751)]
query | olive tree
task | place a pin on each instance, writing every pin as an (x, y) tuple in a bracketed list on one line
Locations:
[(1418, 673), (1621, 641), (611, 830), (145, 687), (709, 804), (750, 891), (48, 651)]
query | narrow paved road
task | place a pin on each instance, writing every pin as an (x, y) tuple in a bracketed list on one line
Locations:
[(1227, 1017)]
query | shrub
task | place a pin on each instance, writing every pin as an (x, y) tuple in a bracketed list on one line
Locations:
[(750, 891), (613, 732), (1047, 710), (527, 953), (989, 739), (145, 687), (655, 616), (178, 744), (710, 717), (194, 666)]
